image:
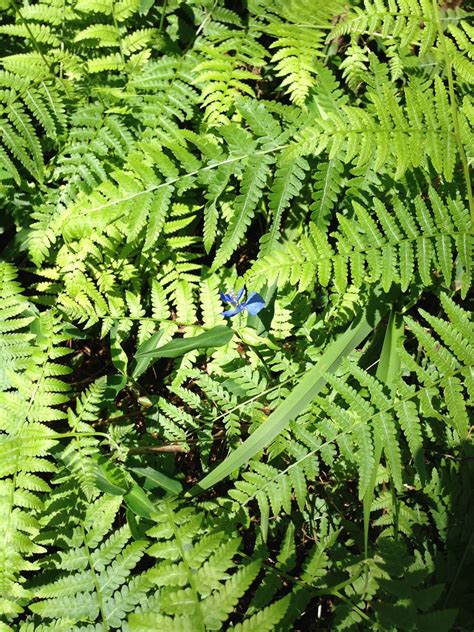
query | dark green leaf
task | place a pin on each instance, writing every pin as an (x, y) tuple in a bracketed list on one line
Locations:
[(215, 337)]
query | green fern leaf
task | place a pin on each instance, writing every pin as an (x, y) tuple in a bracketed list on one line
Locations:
[(265, 620), (408, 418), (253, 181), (384, 427), (327, 185), (288, 177), (221, 604), (365, 456)]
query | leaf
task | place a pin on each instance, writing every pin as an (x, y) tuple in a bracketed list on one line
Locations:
[(388, 371), (110, 478), (137, 501), (385, 426), (142, 362), (215, 337), (145, 6), (286, 185), (253, 181), (119, 357), (266, 619), (158, 479)]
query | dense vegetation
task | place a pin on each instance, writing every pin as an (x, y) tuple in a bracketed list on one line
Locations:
[(306, 461)]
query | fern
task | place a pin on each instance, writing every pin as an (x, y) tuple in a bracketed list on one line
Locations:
[(327, 185), (93, 568), (15, 347), (83, 165), (364, 419), (386, 132), (224, 73), (453, 352), (29, 400), (366, 422), (80, 452), (156, 155), (288, 177), (299, 34), (253, 181), (411, 22), (389, 249), (27, 105), (195, 589)]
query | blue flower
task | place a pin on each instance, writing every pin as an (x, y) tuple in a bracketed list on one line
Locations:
[(253, 304)]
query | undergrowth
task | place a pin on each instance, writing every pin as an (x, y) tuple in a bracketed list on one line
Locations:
[(304, 461)]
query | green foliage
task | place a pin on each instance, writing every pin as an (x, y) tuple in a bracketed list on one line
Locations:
[(91, 570), (28, 108), (403, 246), (31, 391), (197, 591), (161, 466)]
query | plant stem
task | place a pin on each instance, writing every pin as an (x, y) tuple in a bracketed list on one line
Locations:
[(157, 449), (30, 33), (162, 18)]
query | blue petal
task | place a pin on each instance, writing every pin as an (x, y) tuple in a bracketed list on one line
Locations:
[(254, 303), (225, 297), (232, 312), (240, 294)]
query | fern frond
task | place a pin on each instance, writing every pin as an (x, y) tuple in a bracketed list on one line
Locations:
[(410, 23), (26, 104), (253, 181), (265, 620), (384, 246), (409, 420), (223, 75), (452, 356), (299, 35), (355, 66), (192, 572), (79, 453), (327, 185), (386, 132), (286, 185), (28, 403), (15, 339), (94, 565)]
